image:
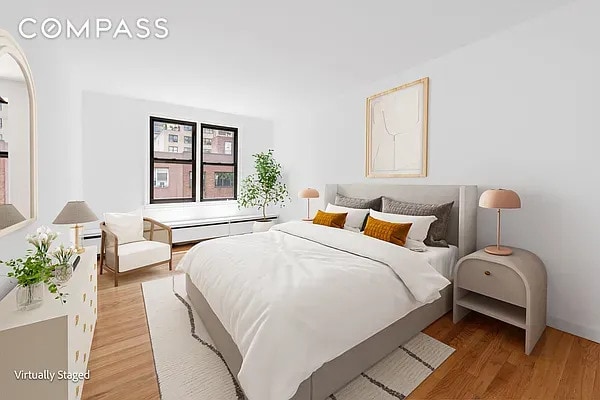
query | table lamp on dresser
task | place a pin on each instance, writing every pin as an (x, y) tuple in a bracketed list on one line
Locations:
[(76, 212), (308, 193), (499, 199)]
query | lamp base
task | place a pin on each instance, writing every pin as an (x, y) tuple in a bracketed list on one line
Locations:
[(498, 250)]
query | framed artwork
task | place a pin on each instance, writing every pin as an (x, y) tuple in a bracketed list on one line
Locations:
[(397, 132)]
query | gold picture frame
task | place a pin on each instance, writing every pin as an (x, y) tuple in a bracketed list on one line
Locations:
[(397, 141)]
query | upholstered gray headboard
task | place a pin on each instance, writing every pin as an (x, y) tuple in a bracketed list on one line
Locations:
[(462, 229)]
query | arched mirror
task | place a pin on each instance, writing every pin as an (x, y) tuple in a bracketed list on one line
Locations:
[(18, 186)]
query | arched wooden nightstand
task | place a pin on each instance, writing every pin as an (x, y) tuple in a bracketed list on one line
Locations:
[(509, 288)]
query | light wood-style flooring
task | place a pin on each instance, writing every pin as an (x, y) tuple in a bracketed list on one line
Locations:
[(489, 362)]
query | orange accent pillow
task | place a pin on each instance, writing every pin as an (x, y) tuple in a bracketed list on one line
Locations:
[(334, 220), (387, 231)]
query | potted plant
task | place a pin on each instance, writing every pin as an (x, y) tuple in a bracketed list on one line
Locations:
[(263, 188), (35, 271)]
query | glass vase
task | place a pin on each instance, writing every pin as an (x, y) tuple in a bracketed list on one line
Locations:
[(30, 296), (63, 272)]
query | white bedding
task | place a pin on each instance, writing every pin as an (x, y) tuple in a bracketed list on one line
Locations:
[(301, 294), (443, 259)]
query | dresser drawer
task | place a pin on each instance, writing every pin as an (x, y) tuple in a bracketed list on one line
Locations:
[(493, 280)]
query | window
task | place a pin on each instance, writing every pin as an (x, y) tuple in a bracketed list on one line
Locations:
[(218, 162), (223, 179), (161, 177), (173, 176), (187, 139)]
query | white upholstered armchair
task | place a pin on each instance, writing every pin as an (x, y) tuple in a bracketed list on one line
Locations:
[(151, 247)]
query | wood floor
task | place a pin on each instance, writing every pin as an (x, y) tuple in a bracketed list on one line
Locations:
[(489, 362)]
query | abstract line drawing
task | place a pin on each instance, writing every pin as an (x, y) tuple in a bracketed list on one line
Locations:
[(397, 131)]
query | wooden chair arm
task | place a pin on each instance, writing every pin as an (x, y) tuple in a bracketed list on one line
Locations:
[(167, 228), (108, 232)]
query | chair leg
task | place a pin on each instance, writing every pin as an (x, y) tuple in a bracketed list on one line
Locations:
[(171, 264), (116, 279), (101, 264)]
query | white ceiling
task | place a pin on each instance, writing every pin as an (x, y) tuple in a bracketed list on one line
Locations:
[(263, 57), (9, 69)]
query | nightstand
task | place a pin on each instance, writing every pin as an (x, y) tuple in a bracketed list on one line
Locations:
[(509, 288)]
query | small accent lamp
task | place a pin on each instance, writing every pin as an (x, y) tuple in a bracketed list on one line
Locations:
[(76, 212), (500, 199), (308, 193), (9, 216)]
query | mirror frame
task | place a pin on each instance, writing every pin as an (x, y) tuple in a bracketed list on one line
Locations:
[(9, 46)]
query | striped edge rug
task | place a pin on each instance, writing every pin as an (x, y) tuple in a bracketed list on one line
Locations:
[(188, 366)]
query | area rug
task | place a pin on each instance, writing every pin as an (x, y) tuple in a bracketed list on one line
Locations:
[(188, 366)]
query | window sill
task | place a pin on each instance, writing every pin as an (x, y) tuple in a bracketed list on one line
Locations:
[(190, 204)]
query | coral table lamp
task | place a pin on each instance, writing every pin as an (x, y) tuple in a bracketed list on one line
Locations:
[(308, 193), (500, 199)]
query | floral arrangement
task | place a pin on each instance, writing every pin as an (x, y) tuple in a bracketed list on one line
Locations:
[(37, 266), (42, 239), (63, 254)]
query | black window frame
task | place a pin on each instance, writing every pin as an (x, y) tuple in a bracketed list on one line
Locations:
[(154, 160), (234, 153)]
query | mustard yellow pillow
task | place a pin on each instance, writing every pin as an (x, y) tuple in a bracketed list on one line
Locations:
[(387, 231), (334, 220)]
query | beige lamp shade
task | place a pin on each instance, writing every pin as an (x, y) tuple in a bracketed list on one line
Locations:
[(75, 212), (308, 193), (9, 216), (499, 198)]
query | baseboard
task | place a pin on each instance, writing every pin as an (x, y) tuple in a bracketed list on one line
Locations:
[(578, 330)]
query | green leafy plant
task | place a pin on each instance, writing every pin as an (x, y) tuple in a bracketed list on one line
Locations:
[(264, 188), (37, 266)]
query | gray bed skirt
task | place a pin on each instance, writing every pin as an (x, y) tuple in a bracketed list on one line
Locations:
[(338, 372)]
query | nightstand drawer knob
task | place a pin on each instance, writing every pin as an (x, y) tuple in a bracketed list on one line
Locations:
[(488, 273)]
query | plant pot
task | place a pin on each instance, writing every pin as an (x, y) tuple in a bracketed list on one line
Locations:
[(63, 272), (30, 297), (262, 226)]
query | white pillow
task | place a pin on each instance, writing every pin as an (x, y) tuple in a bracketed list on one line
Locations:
[(129, 227), (355, 218), (420, 224)]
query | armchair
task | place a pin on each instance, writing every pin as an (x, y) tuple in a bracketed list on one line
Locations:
[(156, 249)]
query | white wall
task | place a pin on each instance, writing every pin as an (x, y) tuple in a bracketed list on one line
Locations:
[(116, 153), (517, 110), (16, 133)]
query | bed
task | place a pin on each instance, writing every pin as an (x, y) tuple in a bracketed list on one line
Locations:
[(335, 372)]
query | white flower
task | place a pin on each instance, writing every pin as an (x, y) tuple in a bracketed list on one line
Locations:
[(39, 230), (43, 237)]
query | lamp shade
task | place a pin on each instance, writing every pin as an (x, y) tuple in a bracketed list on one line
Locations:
[(308, 193), (75, 212), (499, 198), (9, 216)]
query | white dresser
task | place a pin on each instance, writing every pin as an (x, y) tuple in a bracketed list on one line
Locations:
[(53, 339)]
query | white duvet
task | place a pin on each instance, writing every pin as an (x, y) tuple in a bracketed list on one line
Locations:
[(300, 295)]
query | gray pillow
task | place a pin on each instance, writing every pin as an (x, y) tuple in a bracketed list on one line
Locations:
[(436, 237), (354, 202)]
